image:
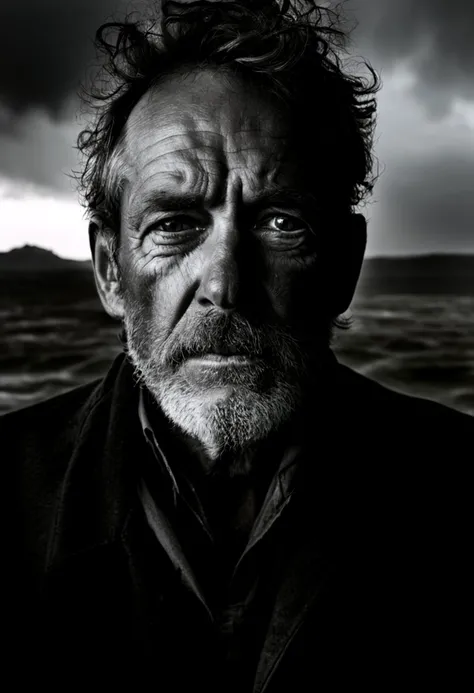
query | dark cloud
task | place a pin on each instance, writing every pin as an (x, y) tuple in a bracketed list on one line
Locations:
[(46, 44), (434, 37), (44, 48)]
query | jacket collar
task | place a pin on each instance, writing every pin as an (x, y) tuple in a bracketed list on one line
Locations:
[(96, 481), (99, 484)]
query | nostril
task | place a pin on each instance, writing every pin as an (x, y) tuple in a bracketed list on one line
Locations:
[(220, 290)]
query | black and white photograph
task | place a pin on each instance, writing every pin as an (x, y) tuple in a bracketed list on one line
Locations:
[(237, 343)]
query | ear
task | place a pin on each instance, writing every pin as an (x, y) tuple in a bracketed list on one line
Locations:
[(106, 270), (348, 260)]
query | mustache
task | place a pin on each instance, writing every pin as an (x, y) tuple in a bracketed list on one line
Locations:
[(232, 334)]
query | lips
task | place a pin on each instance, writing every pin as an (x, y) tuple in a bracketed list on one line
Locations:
[(232, 358)]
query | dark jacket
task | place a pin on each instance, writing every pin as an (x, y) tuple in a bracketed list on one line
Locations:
[(369, 586)]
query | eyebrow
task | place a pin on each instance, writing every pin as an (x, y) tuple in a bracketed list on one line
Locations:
[(172, 201), (162, 201), (283, 195)]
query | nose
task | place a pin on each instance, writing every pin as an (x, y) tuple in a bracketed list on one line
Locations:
[(220, 283)]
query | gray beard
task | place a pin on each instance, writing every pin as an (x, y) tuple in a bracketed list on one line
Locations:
[(255, 402)]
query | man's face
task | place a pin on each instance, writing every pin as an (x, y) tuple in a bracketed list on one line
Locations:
[(219, 260)]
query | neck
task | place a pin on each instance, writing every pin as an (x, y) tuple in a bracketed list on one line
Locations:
[(231, 487), (231, 467)]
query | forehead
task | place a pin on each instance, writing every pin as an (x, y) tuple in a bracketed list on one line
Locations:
[(201, 129)]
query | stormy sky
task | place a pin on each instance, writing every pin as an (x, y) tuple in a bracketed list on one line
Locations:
[(423, 50)]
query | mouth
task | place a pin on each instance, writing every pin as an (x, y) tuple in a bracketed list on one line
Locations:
[(224, 358), (227, 351), (211, 370)]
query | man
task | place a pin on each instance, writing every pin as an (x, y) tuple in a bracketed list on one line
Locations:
[(230, 509)]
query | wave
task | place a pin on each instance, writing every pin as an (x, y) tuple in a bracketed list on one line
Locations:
[(422, 345)]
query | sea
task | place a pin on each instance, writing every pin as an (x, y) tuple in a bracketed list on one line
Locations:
[(53, 339)]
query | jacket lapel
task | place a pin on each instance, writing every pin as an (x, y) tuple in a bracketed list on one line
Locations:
[(97, 489), (304, 581), (316, 533)]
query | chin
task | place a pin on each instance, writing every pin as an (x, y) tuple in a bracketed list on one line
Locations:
[(226, 411), (227, 419)]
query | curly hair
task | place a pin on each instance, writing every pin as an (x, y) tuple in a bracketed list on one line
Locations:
[(293, 48)]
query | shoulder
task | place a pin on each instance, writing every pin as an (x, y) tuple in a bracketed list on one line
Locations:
[(401, 459), (59, 417), (372, 398), (42, 423), (44, 445), (391, 425), (38, 441)]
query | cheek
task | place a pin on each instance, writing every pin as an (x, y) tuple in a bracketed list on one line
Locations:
[(159, 289), (293, 288)]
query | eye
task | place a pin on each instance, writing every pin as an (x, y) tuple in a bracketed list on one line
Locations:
[(284, 222), (177, 224)]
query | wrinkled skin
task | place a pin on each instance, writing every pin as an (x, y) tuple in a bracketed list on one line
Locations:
[(220, 252)]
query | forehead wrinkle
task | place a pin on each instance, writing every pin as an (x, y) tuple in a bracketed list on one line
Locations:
[(184, 165), (191, 135), (208, 155), (206, 118), (197, 174), (205, 103), (211, 182), (194, 143), (200, 156), (184, 157), (193, 181), (195, 109), (160, 130)]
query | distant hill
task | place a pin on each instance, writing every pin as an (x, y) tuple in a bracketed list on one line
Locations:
[(30, 258), (422, 274)]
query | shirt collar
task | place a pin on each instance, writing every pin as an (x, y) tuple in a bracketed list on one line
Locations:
[(150, 436)]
